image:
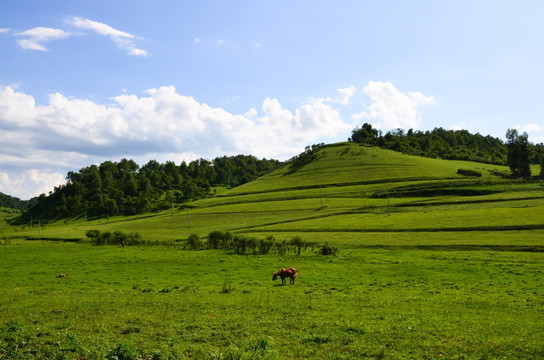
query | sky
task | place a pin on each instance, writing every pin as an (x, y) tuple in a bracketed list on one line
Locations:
[(82, 82)]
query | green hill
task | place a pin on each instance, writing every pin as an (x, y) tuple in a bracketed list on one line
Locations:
[(352, 195)]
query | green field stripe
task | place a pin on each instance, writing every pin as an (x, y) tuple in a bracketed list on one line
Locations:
[(443, 229)]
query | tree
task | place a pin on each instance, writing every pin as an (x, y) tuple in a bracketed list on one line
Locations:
[(364, 135), (518, 153)]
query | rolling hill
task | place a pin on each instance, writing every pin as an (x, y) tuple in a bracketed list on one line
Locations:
[(351, 195)]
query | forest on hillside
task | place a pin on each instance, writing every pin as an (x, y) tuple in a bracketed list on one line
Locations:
[(125, 188), (445, 144)]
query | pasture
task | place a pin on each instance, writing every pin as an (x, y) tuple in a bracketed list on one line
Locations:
[(154, 302), (430, 264)]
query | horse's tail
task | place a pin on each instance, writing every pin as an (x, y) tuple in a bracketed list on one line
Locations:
[(295, 272)]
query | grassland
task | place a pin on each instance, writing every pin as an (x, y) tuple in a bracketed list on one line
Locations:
[(431, 264)]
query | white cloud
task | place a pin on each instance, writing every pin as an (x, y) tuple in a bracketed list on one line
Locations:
[(4, 30), (122, 39), (68, 133), (531, 127), (196, 41), (391, 108), (34, 39), (347, 94), (30, 183)]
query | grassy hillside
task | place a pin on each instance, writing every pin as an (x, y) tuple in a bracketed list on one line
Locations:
[(351, 195)]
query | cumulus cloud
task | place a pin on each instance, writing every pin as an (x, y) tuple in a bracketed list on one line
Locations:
[(34, 39), (30, 183), (4, 30), (390, 108), (122, 39), (70, 133)]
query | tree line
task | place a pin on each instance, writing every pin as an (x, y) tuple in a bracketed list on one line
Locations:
[(518, 153), (224, 240), (11, 202), (125, 188)]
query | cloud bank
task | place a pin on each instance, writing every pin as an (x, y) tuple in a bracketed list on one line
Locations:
[(42, 143)]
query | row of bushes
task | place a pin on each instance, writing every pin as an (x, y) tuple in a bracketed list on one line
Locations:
[(115, 238), (240, 244)]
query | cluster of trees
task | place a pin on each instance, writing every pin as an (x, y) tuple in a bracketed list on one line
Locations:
[(11, 202), (114, 238), (124, 187), (454, 145), (242, 244)]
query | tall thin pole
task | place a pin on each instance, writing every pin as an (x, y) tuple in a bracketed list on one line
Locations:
[(189, 210), (40, 226), (31, 221), (172, 204), (86, 222)]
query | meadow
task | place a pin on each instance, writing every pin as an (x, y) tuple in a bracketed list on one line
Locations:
[(430, 264)]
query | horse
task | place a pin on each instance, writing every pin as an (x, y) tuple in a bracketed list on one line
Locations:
[(291, 273)]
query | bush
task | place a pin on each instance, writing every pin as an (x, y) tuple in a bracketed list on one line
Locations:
[(115, 238), (214, 239), (298, 243), (281, 247), (94, 235), (326, 249), (266, 245), (240, 242), (194, 242)]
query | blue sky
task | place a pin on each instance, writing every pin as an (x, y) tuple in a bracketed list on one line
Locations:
[(82, 82)]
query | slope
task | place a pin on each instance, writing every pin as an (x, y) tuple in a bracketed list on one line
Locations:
[(352, 195)]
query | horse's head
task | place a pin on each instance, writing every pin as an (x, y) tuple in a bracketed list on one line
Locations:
[(274, 276)]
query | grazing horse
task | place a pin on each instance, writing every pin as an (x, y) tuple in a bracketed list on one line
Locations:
[(291, 273)]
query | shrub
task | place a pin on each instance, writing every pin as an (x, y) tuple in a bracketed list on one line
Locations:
[(298, 243), (240, 243), (281, 247), (214, 239), (326, 249), (266, 245), (119, 237), (94, 235), (115, 238), (194, 242)]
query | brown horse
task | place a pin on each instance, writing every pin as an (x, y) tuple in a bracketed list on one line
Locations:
[(291, 273)]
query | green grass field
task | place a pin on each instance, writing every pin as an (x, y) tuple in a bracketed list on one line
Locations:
[(430, 264)]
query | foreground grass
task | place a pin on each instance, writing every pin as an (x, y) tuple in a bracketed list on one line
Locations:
[(143, 302)]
